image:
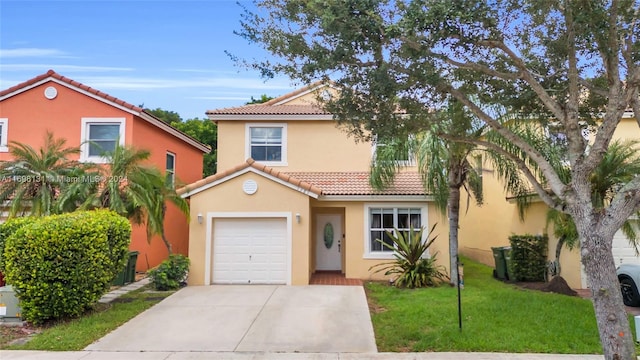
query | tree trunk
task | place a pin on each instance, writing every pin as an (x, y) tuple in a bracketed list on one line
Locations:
[(162, 234), (454, 217), (613, 325)]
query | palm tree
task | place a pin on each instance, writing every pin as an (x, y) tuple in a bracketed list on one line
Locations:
[(137, 191), (35, 181), (446, 167), (620, 164)]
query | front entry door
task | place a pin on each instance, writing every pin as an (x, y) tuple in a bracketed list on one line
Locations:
[(329, 242)]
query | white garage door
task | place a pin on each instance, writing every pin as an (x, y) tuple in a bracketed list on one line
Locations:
[(623, 251), (249, 251)]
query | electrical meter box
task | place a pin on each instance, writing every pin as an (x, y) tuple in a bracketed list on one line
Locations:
[(9, 308)]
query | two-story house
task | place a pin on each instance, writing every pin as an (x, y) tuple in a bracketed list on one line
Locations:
[(293, 198), (84, 116)]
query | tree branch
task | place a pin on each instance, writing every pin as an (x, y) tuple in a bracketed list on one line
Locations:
[(522, 166)]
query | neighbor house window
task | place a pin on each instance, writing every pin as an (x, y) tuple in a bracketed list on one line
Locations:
[(100, 136), (267, 143), (4, 127), (170, 170), (384, 220)]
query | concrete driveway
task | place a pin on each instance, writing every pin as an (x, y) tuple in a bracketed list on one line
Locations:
[(244, 318)]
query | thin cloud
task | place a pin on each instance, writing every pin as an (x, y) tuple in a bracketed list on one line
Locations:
[(31, 52), (60, 68), (140, 83)]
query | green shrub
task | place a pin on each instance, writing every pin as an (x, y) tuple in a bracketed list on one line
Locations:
[(7, 229), (171, 273), (60, 265), (411, 268), (529, 257)]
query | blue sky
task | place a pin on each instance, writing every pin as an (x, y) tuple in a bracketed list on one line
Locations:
[(167, 54)]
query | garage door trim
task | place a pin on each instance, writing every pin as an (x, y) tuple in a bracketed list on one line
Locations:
[(210, 216)]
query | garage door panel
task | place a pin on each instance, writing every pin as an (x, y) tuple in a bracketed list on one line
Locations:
[(250, 251), (623, 251)]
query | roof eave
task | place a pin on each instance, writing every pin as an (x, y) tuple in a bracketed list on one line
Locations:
[(274, 117)]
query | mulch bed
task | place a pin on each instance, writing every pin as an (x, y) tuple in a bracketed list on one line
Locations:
[(557, 285)]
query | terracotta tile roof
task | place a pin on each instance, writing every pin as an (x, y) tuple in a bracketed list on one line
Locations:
[(262, 109), (250, 163), (57, 76), (323, 183), (357, 183)]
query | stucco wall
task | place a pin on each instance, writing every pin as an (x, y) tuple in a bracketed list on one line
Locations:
[(270, 197), (356, 265), (311, 146)]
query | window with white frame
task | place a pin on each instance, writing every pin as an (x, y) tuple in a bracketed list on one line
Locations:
[(383, 220), (386, 148), (267, 143), (4, 130), (100, 136), (170, 169)]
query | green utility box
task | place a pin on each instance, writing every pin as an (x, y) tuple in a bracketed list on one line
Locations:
[(128, 274), (9, 305), (499, 256)]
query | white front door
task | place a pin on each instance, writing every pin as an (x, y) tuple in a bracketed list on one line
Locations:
[(329, 242)]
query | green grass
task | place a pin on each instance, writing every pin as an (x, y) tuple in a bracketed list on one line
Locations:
[(79, 333), (497, 317)]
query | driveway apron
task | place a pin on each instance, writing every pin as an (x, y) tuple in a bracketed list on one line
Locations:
[(250, 318)]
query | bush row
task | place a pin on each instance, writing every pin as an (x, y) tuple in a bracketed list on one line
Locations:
[(60, 265), (529, 257)]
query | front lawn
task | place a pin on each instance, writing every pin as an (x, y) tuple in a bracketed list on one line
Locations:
[(497, 317)]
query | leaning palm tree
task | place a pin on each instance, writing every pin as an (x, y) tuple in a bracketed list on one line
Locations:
[(37, 181), (446, 167), (137, 191), (620, 164)]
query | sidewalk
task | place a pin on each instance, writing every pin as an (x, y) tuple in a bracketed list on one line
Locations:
[(97, 355)]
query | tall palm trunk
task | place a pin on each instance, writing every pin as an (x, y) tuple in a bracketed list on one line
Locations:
[(455, 181), (454, 218)]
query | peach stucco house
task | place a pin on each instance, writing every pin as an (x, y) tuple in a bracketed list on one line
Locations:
[(293, 198), (78, 113)]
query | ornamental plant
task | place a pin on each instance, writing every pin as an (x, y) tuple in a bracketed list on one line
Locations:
[(60, 265), (411, 267), (171, 274)]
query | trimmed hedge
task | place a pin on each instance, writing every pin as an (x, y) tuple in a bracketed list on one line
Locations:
[(60, 265), (529, 257), (7, 229)]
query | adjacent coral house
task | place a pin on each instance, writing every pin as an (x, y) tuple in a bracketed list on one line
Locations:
[(292, 197), (78, 113)]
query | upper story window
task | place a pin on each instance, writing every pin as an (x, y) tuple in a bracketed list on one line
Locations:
[(170, 169), (393, 149), (99, 136), (389, 219), (4, 130), (267, 143)]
